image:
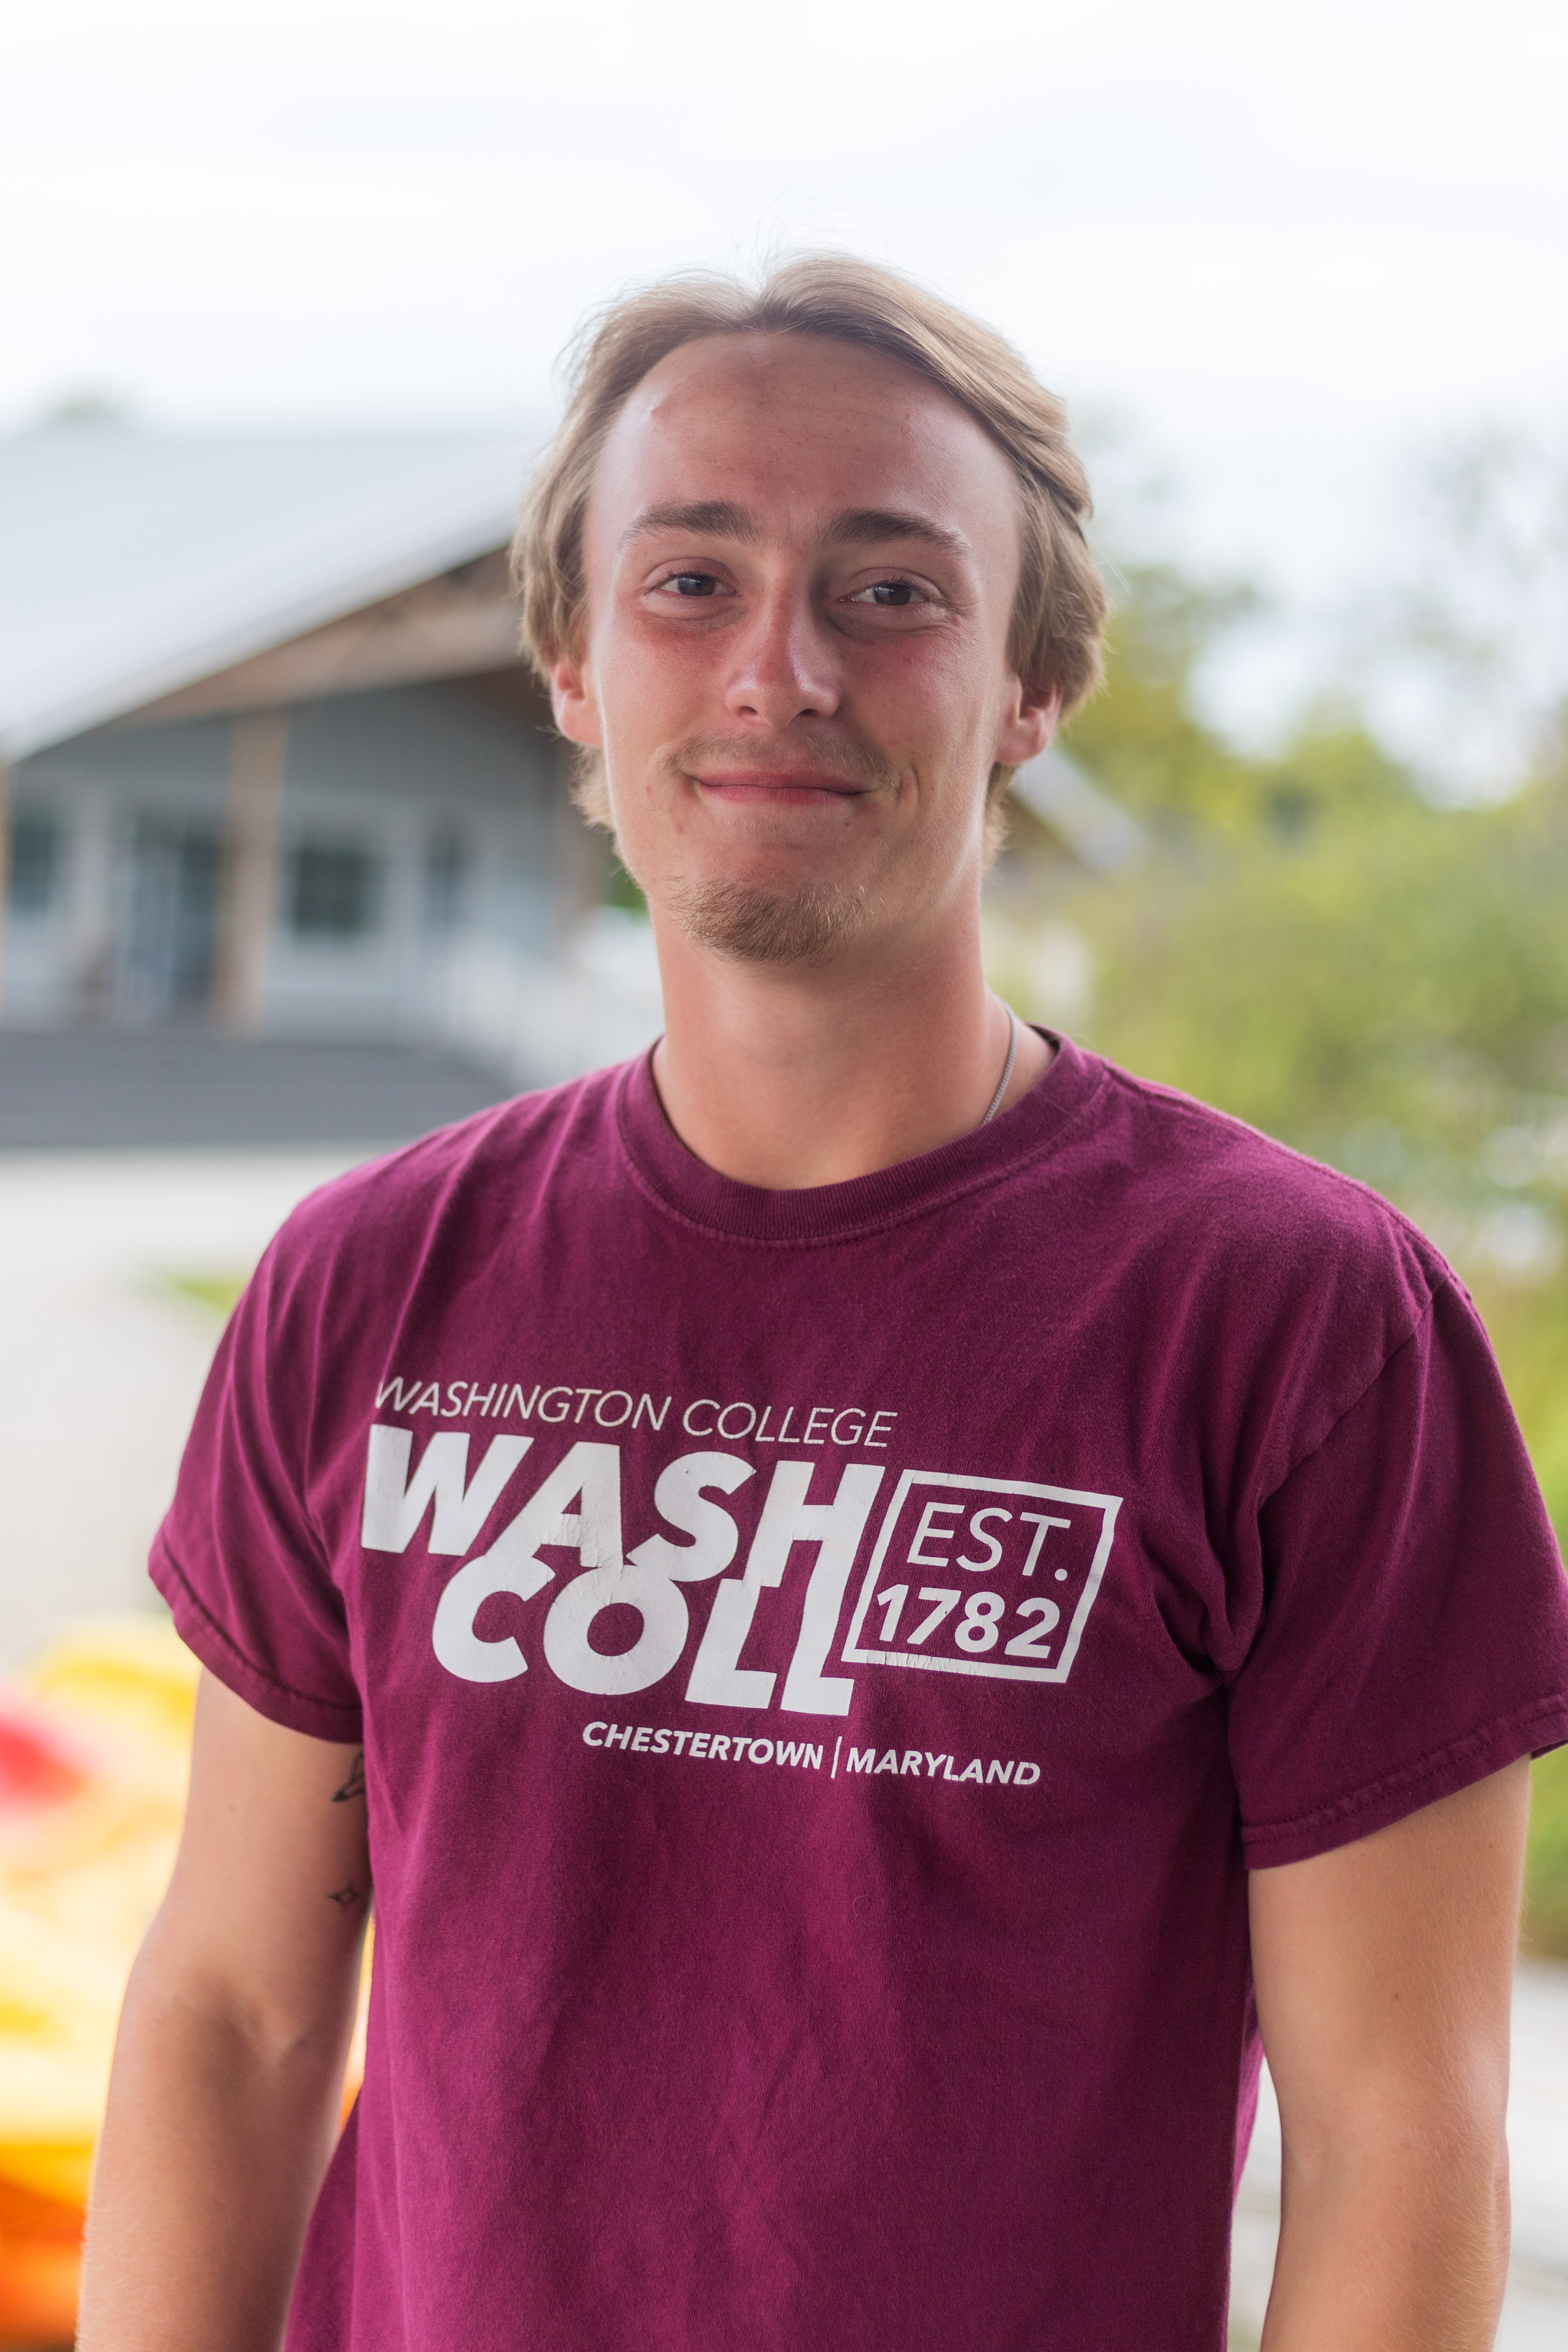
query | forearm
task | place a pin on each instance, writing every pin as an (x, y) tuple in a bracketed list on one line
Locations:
[(217, 2133), (1392, 2241)]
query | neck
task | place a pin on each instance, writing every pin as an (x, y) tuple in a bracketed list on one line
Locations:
[(786, 1076)]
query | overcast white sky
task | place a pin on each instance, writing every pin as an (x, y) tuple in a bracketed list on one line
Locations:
[(1294, 246)]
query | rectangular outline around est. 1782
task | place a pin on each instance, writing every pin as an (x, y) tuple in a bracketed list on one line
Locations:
[(1107, 1504)]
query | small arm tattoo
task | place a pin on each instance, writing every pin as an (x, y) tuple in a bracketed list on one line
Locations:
[(354, 1786), (346, 1896)]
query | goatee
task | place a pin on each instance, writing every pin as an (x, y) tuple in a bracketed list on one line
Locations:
[(750, 925)]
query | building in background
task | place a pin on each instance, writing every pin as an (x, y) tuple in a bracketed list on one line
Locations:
[(274, 762)]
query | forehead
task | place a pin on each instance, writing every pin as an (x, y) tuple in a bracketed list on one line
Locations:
[(797, 429)]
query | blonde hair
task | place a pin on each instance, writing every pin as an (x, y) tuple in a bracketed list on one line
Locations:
[(1058, 613)]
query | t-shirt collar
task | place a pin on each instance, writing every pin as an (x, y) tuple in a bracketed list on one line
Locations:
[(684, 1185)]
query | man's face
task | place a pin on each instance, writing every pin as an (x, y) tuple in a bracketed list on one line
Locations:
[(801, 563)]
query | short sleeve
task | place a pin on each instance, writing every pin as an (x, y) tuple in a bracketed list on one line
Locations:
[(1415, 1635), (238, 1559)]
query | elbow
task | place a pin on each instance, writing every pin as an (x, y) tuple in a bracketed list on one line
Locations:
[(1418, 2183), (243, 2021)]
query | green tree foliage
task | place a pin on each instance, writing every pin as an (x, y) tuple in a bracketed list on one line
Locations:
[(1383, 982), (1138, 737)]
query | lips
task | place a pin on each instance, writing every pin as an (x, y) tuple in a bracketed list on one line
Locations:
[(796, 782)]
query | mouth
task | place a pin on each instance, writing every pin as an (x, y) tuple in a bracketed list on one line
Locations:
[(787, 788)]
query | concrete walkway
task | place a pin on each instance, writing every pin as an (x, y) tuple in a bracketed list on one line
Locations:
[(99, 1372), (101, 1364)]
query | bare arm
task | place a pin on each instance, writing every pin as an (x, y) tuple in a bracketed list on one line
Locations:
[(222, 2106), (1383, 1974)]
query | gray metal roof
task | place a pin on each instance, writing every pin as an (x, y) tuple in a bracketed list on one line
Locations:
[(131, 564), (1099, 831)]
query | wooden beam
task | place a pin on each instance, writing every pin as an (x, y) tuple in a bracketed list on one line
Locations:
[(258, 766), (457, 626), (5, 816)]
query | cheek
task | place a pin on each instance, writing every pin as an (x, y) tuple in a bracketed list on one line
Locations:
[(650, 687), (932, 683), (942, 718)]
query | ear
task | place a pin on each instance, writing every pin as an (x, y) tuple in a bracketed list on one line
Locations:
[(572, 699), (1028, 726)]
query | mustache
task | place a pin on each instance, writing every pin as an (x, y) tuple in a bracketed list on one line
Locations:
[(840, 758)]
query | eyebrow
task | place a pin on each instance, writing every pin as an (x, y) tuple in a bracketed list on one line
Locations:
[(855, 527), (707, 519), (862, 526)]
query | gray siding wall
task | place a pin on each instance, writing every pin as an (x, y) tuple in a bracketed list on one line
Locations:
[(414, 820)]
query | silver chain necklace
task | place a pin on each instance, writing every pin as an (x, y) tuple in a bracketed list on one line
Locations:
[(996, 1103)]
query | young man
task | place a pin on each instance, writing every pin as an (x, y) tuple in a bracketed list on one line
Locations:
[(901, 1591)]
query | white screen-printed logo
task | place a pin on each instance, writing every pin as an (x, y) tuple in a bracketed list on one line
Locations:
[(982, 1576)]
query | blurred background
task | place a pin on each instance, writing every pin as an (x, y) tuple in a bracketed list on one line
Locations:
[(290, 871)]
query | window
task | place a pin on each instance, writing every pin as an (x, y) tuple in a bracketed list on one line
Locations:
[(445, 879), (34, 863), (334, 892)]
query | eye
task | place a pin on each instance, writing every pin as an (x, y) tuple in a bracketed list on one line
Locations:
[(692, 584), (886, 592)]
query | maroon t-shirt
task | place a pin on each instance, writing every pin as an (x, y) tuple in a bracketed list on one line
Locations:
[(825, 1662)]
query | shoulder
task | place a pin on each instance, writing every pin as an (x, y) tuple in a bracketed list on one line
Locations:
[(1247, 1233), (382, 1219), (1199, 1165)]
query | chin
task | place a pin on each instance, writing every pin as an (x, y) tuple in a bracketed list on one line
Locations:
[(750, 921)]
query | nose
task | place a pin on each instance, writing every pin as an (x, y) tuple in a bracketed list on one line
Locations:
[(784, 670)]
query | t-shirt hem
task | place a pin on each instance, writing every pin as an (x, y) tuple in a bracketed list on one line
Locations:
[(1527, 1731), (321, 1718)]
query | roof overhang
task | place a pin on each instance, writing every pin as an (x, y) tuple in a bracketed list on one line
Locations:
[(459, 624), (133, 568)]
